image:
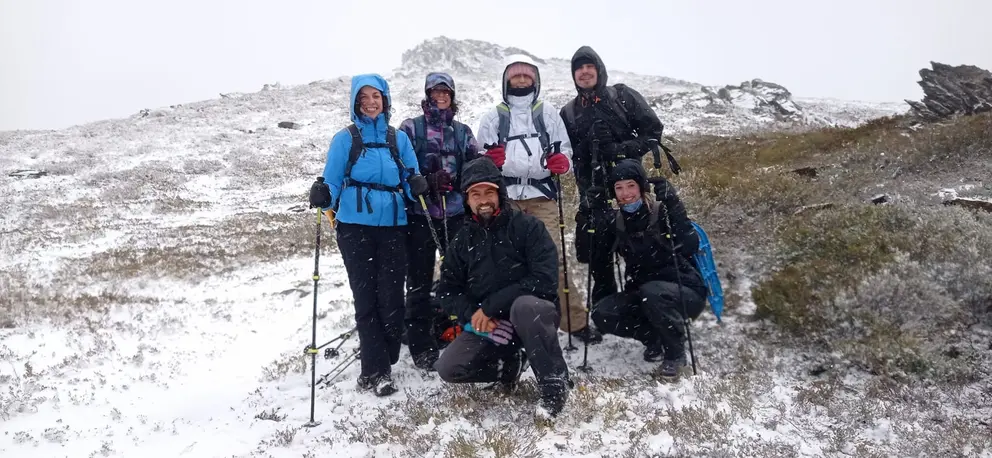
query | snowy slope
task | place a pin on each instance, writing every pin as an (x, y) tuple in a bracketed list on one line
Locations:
[(157, 299)]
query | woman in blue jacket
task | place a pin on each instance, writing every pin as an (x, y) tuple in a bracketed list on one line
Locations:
[(371, 171)]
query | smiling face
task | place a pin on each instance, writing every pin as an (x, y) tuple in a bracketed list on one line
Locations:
[(521, 81), (483, 199), (586, 76), (370, 101), (627, 191), (441, 96)]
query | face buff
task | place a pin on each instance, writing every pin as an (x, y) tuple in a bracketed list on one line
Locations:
[(633, 206)]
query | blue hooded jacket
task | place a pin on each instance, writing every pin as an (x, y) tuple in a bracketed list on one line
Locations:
[(375, 165)]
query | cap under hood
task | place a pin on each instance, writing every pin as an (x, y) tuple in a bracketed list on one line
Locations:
[(523, 59), (482, 170), (587, 53)]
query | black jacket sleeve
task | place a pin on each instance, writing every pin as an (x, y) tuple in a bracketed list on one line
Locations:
[(642, 119), (452, 289), (542, 262), (686, 238)]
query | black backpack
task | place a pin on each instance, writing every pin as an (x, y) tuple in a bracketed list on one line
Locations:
[(358, 147)]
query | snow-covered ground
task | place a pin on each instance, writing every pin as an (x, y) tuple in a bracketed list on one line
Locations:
[(157, 298)]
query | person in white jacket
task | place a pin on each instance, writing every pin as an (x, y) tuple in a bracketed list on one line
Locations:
[(526, 138)]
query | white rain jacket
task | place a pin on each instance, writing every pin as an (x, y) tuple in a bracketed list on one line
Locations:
[(518, 163)]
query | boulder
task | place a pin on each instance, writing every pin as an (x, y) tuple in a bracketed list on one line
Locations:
[(953, 91)]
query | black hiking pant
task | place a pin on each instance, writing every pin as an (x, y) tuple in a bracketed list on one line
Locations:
[(596, 250), (375, 258), (422, 316), (651, 313), (472, 358)]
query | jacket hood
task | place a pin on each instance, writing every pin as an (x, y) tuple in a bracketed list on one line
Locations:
[(628, 169), (377, 82), (585, 52), (479, 170), (523, 59)]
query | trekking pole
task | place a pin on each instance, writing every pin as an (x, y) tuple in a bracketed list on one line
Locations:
[(430, 224), (678, 273), (318, 187), (593, 165), (564, 256), (444, 219)]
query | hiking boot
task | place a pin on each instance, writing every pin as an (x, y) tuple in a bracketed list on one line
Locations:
[(553, 397), (510, 368), (365, 383), (654, 352), (672, 368), (425, 361), (588, 335), (384, 386)]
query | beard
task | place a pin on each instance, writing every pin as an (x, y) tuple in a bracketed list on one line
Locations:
[(485, 213)]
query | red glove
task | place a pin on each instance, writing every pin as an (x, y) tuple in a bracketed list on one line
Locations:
[(557, 164), (497, 153)]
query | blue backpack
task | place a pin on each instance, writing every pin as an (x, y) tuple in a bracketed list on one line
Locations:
[(703, 259)]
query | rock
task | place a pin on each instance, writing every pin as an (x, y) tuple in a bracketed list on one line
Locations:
[(290, 125), (880, 199), (950, 91), (809, 172), (806, 208), (971, 204), (27, 173)]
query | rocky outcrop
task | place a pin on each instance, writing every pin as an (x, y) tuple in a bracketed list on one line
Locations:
[(951, 91)]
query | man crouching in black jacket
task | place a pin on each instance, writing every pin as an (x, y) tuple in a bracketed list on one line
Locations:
[(653, 306), (500, 276)]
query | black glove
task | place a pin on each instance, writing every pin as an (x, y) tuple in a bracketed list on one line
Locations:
[(418, 185), (440, 181), (597, 197), (320, 194)]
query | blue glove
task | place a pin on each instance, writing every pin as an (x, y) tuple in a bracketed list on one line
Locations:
[(468, 327), (502, 335)]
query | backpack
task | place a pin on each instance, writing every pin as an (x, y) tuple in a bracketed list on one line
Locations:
[(617, 113), (547, 185), (536, 112), (358, 147), (420, 137), (703, 257)]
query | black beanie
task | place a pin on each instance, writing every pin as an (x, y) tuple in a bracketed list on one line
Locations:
[(582, 61), (628, 169)]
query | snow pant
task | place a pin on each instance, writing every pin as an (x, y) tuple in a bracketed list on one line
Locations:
[(573, 312), (596, 250), (472, 358), (650, 314), (421, 313), (375, 258)]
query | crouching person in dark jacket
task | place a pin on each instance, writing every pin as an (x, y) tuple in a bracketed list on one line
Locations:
[(652, 308), (500, 278)]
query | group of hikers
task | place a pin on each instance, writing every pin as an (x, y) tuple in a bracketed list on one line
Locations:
[(494, 213)]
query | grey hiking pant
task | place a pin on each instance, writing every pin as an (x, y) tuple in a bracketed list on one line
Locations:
[(651, 314), (472, 358)]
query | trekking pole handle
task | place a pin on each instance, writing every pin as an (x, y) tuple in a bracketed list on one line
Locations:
[(554, 148)]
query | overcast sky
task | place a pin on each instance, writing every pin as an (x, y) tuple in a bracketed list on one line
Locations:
[(65, 62)]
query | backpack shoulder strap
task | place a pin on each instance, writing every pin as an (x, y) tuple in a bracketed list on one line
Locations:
[(537, 113), (393, 149), (357, 146), (419, 133), (503, 110), (568, 114)]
